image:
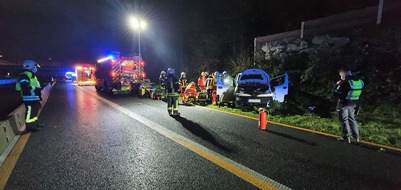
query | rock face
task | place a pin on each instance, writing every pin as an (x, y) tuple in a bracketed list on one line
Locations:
[(282, 49)]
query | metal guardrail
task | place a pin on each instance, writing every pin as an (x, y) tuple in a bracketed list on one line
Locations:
[(11, 129), (7, 81)]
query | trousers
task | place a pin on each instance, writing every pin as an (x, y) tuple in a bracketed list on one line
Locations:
[(172, 103), (349, 125), (31, 114)]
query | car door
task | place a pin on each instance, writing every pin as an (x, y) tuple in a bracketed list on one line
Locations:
[(226, 88), (221, 87), (280, 88)]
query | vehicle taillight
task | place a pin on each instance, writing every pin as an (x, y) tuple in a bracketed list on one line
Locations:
[(113, 74)]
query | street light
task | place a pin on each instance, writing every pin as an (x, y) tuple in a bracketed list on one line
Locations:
[(138, 25)]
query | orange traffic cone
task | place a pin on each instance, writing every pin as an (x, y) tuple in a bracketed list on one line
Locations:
[(262, 119)]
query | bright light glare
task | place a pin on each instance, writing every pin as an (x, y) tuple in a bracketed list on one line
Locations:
[(143, 24), (137, 24), (104, 59)]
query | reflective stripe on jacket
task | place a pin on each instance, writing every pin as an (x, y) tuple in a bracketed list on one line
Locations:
[(356, 89), (28, 93)]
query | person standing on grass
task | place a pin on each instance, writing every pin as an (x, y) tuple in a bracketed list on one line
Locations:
[(348, 91)]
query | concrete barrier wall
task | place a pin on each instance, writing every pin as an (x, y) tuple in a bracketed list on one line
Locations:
[(364, 17), (14, 126), (6, 134)]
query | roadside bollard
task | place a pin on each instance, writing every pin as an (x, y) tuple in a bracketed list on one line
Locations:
[(262, 119)]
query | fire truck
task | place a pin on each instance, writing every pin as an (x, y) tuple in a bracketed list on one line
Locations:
[(84, 74), (119, 75)]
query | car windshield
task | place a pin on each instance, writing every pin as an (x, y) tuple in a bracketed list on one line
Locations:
[(252, 76)]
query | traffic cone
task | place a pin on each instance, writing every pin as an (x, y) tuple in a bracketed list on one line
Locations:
[(262, 119)]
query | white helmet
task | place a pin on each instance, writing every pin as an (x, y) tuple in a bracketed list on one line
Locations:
[(163, 73), (183, 74), (170, 71), (29, 64)]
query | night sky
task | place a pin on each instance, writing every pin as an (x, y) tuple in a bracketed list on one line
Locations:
[(77, 31)]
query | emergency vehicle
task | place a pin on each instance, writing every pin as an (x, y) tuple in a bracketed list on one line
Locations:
[(119, 75), (145, 88), (69, 76), (84, 74)]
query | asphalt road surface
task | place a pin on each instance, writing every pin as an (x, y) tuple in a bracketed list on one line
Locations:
[(96, 141)]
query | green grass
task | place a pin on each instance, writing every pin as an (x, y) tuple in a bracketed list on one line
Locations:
[(385, 131)]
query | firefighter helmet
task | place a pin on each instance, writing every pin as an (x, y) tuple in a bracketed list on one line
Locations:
[(183, 74), (170, 71), (29, 64), (163, 73)]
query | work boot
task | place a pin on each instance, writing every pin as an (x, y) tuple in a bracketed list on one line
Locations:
[(176, 113), (348, 139)]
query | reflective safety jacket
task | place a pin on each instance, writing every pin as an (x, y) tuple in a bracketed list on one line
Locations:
[(355, 89), (171, 85), (202, 83), (211, 83), (183, 81), (29, 86)]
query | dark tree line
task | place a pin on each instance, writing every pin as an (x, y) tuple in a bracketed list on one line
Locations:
[(218, 35)]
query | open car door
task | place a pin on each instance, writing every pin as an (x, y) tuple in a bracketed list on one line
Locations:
[(281, 87), (225, 88)]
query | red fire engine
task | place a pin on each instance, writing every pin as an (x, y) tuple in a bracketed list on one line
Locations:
[(84, 74), (119, 75)]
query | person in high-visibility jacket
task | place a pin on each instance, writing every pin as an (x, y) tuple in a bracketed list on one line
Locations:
[(30, 89), (190, 91), (162, 77), (212, 87), (183, 80), (348, 91), (202, 82), (172, 90)]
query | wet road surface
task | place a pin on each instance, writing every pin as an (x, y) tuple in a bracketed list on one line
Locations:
[(97, 141)]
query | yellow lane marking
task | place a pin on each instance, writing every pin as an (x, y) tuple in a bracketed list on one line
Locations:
[(12, 158), (307, 130), (230, 167), (235, 168)]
